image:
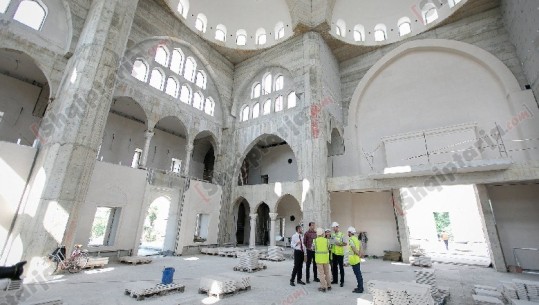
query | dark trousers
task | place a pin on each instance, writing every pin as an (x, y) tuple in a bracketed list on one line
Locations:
[(338, 260), (298, 265), (446, 242), (359, 277), (310, 259)]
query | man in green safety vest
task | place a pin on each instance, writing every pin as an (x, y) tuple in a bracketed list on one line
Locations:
[(321, 257), (355, 258), (337, 251)]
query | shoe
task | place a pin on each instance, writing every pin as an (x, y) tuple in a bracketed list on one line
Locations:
[(322, 289), (301, 282), (292, 284), (357, 290), (316, 280), (342, 284), (334, 283), (308, 282), (329, 288)]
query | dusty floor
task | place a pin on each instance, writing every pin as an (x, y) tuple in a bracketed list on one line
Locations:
[(270, 286)]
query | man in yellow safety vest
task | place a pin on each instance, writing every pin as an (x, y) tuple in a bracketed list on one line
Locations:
[(321, 257), (337, 251), (355, 258)]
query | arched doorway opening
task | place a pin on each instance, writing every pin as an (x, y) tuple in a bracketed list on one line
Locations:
[(262, 225), (154, 228), (168, 146), (289, 216), (243, 225), (203, 160)]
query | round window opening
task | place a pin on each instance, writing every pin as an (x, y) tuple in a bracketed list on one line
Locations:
[(289, 161), (292, 218)]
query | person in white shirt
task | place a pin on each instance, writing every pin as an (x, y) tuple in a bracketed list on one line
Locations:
[(299, 255)]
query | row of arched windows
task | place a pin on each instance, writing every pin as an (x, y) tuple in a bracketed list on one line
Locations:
[(267, 86), (429, 14), (171, 85), (277, 105), (201, 24), (31, 13)]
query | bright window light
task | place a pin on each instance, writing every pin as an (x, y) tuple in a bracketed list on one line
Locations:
[(157, 79), (172, 87), (256, 110), (31, 13), (3, 6), (291, 100)]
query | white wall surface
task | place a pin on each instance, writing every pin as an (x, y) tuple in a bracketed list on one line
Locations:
[(114, 186), (15, 164), (516, 210), (367, 212), (200, 198), (17, 104), (274, 163), (289, 206)]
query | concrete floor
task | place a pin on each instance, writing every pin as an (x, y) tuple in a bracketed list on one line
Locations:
[(270, 286)]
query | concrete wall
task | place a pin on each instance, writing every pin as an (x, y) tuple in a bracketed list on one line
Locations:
[(516, 211), (16, 106), (15, 165), (200, 198), (367, 212), (274, 163), (114, 186)]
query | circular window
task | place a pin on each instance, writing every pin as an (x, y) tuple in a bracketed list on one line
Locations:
[(289, 161), (292, 218)]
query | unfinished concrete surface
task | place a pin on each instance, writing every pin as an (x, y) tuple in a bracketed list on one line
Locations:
[(154, 126)]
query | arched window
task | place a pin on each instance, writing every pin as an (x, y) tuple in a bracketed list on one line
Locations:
[(198, 101), (260, 36), (340, 28), (157, 79), (267, 84), (279, 83), (453, 2), (183, 8), (161, 56), (245, 114), (241, 37), (291, 100), (176, 63), (430, 14), (209, 106), (201, 79), (140, 70), (359, 33), (405, 26), (256, 110), (220, 33), (31, 13), (200, 22), (185, 94), (279, 103), (267, 107), (3, 6), (380, 32), (279, 31), (172, 87), (256, 90), (190, 67)]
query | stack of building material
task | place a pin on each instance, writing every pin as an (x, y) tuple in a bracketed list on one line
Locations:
[(489, 293), (135, 260), (242, 282), (419, 294), (46, 302), (532, 290), (217, 285), (426, 277), (522, 302), (275, 254), (393, 256), (230, 252), (380, 295), (402, 293), (521, 289), (398, 294), (509, 291), (422, 261), (248, 262), (97, 261), (484, 300)]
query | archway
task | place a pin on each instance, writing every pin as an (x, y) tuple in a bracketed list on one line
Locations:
[(289, 216), (154, 229), (123, 139), (242, 222), (203, 160), (25, 95), (270, 160), (262, 225), (167, 150)]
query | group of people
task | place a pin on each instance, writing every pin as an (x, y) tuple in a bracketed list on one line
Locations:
[(323, 248)]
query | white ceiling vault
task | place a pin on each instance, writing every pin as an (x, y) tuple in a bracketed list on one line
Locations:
[(352, 25)]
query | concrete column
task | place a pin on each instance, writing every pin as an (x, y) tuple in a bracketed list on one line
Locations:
[(273, 218), (252, 237), (148, 139), (404, 234), (70, 134), (489, 228), (188, 155)]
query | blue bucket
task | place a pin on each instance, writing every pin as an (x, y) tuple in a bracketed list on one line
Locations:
[(168, 276)]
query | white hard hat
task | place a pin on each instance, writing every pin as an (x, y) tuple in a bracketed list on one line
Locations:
[(328, 230), (352, 230), (319, 231), (334, 224)]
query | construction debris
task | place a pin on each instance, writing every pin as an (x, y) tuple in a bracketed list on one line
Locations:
[(135, 260)]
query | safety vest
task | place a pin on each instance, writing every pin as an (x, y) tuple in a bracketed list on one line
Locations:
[(321, 250), (354, 259), (339, 238)]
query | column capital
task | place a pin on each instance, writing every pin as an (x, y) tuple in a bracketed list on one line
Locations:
[(253, 216), (273, 216), (149, 133)]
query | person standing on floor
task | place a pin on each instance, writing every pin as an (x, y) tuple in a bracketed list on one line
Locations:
[(321, 250), (445, 238), (310, 236), (299, 256), (337, 253), (355, 258)]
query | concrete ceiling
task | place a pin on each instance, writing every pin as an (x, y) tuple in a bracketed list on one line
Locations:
[(21, 66)]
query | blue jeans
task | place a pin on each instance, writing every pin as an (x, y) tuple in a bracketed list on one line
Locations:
[(359, 277)]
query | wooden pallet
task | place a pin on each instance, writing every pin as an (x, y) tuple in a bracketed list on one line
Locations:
[(135, 260), (159, 289), (47, 302), (228, 255), (245, 269), (272, 259), (223, 295), (96, 262)]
